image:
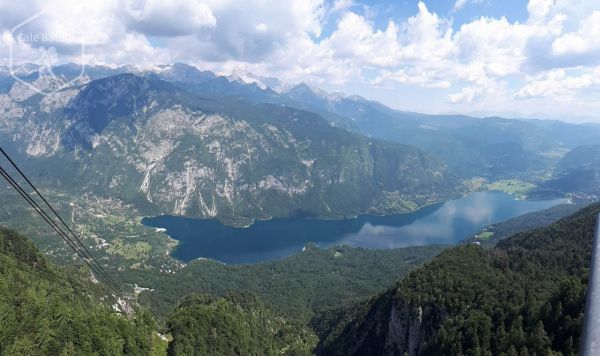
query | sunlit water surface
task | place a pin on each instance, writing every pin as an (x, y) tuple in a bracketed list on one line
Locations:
[(443, 223)]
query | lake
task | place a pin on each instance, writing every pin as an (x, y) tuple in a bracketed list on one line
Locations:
[(443, 223)]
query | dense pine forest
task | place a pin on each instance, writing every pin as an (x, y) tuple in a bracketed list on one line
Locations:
[(237, 324), (525, 296), (299, 286), (50, 310)]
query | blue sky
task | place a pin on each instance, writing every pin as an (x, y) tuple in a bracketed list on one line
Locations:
[(530, 58), (381, 12)]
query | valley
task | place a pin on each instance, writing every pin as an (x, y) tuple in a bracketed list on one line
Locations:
[(299, 178), (213, 200), (307, 289)]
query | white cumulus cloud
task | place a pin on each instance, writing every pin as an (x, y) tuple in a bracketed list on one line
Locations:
[(486, 63), (169, 18)]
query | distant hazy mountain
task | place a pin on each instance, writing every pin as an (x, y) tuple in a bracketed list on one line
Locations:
[(578, 172), (494, 147)]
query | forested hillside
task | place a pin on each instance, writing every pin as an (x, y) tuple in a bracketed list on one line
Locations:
[(51, 310), (298, 286), (578, 172), (496, 232), (47, 310), (237, 324), (524, 296)]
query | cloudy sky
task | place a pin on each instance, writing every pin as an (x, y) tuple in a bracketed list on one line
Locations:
[(536, 58)]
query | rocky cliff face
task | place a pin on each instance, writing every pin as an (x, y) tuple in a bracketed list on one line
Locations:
[(172, 152), (411, 326), (385, 325), (405, 329)]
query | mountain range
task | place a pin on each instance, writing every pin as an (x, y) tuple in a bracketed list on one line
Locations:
[(172, 148), (176, 140)]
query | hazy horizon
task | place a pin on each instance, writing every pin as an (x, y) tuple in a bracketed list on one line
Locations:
[(531, 59)]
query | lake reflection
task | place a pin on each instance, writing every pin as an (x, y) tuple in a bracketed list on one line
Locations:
[(449, 223), (444, 223)]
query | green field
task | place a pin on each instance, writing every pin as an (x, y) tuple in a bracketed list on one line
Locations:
[(511, 186), (134, 251), (517, 187), (484, 236)]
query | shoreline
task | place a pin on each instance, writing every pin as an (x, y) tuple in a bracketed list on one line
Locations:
[(357, 216), (391, 232)]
